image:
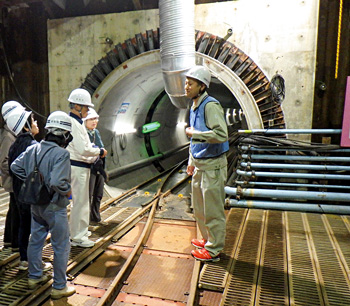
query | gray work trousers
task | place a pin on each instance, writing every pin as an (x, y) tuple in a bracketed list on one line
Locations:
[(208, 199)]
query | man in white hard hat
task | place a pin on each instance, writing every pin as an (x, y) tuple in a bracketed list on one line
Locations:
[(82, 155), (6, 140), (207, 164), (54, 164)]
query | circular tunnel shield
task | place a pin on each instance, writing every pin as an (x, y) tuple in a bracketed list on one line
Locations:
[(125, 96), (133, 81)]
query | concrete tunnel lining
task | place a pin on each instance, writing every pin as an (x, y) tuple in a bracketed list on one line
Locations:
[(125, 96)]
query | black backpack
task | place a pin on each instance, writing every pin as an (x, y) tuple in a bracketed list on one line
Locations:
[(34, 190)]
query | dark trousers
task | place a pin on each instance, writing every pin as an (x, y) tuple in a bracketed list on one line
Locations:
[(24, 230), (12, 223), (95, 195)]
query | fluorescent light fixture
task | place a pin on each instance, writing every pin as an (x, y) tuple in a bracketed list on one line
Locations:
[(121, 128), (181, 124)]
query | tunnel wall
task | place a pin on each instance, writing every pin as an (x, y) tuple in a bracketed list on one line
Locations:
[(279, 36)]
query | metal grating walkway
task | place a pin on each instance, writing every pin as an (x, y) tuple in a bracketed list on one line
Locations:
[(282, 258)]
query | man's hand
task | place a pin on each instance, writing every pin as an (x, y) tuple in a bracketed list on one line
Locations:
[(104, 153), (190, 170), (189, 131)]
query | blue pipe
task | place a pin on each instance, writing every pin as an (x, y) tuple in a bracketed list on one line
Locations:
[(252, 148), (291, 131), (295, 166), (288, 194), (296, 157), (291, 206), (290, 185), (294, 175)]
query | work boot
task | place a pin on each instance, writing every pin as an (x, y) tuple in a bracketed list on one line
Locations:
[(198, 243), (23, 265), (203, 255), (46, 266), (60, 293), (84, 244), (33, 282)]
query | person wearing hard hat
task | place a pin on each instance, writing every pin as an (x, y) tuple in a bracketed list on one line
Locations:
[(22, 124), (6, 140), (82, 154), (54, 164), (97, 174), (207, 164)]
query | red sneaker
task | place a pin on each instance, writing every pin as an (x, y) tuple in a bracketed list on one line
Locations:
[(203, 255), (198, 243)]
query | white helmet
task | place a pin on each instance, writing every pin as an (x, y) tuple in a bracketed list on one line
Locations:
[(17, 119), (58, 122), (200, 73), (91, 114), (80, 96), (8, 107)]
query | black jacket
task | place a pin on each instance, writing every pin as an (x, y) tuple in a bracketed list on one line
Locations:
[(20, 145)]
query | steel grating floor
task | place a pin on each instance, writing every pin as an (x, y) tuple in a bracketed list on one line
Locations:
[(270, 258), (282, 258)]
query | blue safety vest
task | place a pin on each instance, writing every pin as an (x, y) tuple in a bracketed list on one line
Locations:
[(197, 120)]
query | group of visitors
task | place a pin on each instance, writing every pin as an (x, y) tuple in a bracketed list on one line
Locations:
[(71, 159), (65, 157)]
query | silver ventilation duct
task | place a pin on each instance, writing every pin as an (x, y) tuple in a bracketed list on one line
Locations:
[(177, 46)]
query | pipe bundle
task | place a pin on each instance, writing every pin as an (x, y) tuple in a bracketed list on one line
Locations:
[(275, 173)]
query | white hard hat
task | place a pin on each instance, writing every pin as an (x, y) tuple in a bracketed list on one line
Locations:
[(8, 107), (91, 114), (80, 96), (17, 119), (200, 73), (58, 122)]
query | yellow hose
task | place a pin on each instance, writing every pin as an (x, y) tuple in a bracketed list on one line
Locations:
[(338, 41)]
